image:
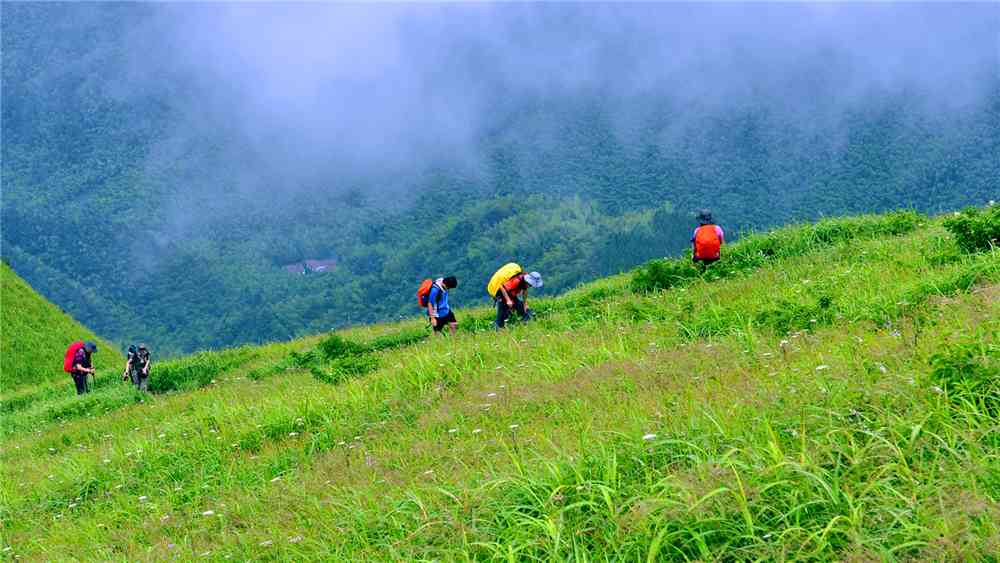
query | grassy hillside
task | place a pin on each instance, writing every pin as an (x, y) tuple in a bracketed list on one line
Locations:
[(830, 392), (35, 335)]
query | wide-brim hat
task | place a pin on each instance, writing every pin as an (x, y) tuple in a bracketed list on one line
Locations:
[(534, 279)]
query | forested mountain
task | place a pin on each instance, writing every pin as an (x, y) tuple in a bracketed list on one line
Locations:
[(138, 200)]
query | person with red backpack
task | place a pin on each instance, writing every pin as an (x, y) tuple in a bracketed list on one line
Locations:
[(78, 364), (433, 294), (707, 240)]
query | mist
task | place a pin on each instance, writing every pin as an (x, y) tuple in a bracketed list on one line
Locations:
[(300, 97)]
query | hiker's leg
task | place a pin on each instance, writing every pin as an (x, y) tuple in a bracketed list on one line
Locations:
[(452, 327), (503, 311), (144, 383), (81, 384)]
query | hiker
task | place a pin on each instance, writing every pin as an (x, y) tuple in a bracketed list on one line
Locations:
[(81, 365), (438, 310), (137, 366), (508, 295), (707, 240)]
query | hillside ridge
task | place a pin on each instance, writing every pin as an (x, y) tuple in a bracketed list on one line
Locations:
[(827, 392)]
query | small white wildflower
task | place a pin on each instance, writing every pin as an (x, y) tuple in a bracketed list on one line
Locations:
[(296, 539), (164, 518), (206, 553), (265, 543), (648, 437), (767, 354), (72, 505), (143, 498), (822, 367), (429, 472), (52, 450), (107, 461), (477, 430), (171, 546), (278, 478), (452, 430), (882, 368), (357, 438), (341, 443), (491, 395), (514, 426), (208, 513), (937, 389), (162, 436), (177, 488)]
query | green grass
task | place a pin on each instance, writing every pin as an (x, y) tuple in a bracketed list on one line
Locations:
[(34, 337), (835, 399)]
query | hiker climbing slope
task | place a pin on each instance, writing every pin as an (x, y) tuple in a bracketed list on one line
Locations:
[(509, 288), (707, 240), (438, 309), (137, 366), (79, 364)]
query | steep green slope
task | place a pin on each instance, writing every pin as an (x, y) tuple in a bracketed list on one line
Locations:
[(829, 393), (35, 334)]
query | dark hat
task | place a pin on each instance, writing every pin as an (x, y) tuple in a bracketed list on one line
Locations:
[(89, 346), (131, 349), (142, 346), (705, 216)]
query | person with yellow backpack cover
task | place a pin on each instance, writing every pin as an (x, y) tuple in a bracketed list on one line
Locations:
[(506, 287)]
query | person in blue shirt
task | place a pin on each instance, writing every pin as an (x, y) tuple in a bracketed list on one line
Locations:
[(437, 305)]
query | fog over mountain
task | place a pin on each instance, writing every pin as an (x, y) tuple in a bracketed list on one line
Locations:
[(185, 152)]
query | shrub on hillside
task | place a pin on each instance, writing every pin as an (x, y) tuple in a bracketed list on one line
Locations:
[(976, 230)]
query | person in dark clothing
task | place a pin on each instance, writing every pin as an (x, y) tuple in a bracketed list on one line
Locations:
[(137, 366), (82, 366), (437, 305), (509, 298)]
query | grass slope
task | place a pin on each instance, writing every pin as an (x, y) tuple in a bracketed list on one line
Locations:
[(822, 397), (35, 334)]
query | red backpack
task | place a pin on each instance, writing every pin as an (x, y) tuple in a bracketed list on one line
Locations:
[(424, 292), (706, 243), (70, 354)]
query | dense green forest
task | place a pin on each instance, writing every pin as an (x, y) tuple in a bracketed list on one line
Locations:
[(90, 212)]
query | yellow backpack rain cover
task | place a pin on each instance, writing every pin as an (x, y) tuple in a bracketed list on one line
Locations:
[(501, 276)]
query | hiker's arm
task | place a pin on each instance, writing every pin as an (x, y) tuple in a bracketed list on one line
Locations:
[(432, 310), (506, 296), (525, 298)]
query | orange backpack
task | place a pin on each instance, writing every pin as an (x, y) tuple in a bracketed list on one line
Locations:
[(706, 243), (424, 292)]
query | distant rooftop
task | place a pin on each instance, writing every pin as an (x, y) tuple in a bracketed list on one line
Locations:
[(318, 265)]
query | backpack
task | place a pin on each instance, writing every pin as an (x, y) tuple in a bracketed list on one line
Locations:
[(706, 243), (501, 277), (423, 294), (70, 354)]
